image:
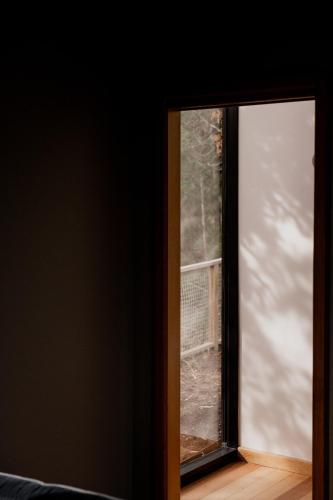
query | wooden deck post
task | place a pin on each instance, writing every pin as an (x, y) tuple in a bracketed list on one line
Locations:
[(213, 305)]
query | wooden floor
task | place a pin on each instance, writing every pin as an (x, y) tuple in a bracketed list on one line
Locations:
[(243, 481)]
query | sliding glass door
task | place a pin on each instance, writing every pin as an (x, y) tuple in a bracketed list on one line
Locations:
[(209, 319)]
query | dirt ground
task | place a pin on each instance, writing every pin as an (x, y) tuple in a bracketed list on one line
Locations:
[(200, 401)]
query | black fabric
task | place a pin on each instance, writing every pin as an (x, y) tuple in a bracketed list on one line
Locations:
[(13, 487)]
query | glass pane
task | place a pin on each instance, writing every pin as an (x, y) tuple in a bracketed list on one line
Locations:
[(201, 238)]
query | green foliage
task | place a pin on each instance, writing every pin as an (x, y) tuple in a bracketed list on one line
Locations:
[(201, 193)]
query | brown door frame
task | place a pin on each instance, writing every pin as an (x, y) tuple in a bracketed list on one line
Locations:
[(167, 371)]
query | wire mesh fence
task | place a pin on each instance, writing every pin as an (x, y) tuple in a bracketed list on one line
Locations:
[(200, 306)]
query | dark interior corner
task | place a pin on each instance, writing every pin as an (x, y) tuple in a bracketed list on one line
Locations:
[(82, 158)]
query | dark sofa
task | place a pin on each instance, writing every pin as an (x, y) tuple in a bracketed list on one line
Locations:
[(20, 488)]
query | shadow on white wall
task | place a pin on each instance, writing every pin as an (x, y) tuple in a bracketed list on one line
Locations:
[(276, 191)]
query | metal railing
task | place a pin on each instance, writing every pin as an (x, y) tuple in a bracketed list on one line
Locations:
[(200, 306)]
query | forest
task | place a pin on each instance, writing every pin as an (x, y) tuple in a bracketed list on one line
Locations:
[(201, 185)]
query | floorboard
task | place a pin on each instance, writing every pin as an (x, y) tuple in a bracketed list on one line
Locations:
[(244, 481)]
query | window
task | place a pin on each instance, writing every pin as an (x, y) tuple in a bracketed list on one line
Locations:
[(209, 287)]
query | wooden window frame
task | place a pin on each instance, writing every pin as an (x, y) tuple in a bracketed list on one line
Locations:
[(167, 345)]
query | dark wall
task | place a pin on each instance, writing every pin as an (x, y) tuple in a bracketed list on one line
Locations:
[(65, 262)]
